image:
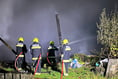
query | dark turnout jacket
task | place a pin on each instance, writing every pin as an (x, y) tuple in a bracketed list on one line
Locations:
[(21, 47), (66, 51)]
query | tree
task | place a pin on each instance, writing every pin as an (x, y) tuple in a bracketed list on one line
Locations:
[(108, 29)]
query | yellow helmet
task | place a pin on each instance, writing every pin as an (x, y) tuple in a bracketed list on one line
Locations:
[(36, 40), (51, 42), (21, 39), (65, 41)]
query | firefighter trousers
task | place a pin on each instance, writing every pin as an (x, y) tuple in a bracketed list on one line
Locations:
[(20, 62), (39, 66), (66, 64)]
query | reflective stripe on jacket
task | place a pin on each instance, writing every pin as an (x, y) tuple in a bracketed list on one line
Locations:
[(66, 52), (35, 58), (35, 46), (19, 45)]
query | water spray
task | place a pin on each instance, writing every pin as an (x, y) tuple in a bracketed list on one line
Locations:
[(78, 41)]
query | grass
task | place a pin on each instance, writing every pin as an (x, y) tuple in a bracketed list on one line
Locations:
[(78, 73), (7, 69)]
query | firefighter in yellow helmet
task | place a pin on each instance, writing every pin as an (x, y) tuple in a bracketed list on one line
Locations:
[(66, 52), (51, 54), (21, 47), (36, 52)]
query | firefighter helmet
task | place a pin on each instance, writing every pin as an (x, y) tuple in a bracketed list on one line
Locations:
[(65, 41), (51, 42), (36, 40), (21, 39)]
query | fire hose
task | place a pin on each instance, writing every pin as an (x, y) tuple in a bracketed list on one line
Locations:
[(48, 59), (16, 61), (62, 69), (37, 64)]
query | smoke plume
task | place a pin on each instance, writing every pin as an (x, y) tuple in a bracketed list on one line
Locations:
[(36, 18)]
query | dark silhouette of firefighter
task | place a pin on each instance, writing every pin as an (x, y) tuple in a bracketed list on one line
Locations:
[(36, 52), (66, 52), (21, 49), (51, 54)]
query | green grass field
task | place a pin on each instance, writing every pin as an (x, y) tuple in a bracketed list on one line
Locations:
[(78, 73)]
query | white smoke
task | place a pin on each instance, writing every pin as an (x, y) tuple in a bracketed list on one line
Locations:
[(6, 13)]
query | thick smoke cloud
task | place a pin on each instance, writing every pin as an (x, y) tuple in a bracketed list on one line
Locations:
[(36, 18), (6, 13)]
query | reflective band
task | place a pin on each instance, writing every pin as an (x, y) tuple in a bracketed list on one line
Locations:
[(49, 47), (35, 58), (21, 55), (37, 73), (36, 47), (19, 68), (67, 48), (62, 55), (66, 60), (65, 74), (19, 45)]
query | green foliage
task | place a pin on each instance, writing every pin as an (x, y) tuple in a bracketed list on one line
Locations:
[(93, 60), (108, 29), (84, 58), (80, 57)]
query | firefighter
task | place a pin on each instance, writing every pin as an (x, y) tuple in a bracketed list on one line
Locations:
[(36, 52), (66, 52), (21, 49), (51, 53)]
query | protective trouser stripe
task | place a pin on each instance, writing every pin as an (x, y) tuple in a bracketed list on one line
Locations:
[(19, 68), (20, 55), (66, 60), (37, 73), (35, 58)]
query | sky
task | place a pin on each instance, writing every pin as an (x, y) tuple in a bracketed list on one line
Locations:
[(36, 18)]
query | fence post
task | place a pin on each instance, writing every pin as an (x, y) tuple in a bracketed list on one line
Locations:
[(1, 75)]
